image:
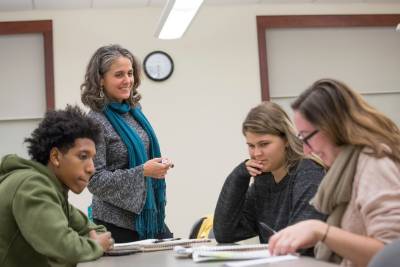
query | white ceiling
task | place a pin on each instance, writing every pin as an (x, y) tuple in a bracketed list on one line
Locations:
[(17, 5)]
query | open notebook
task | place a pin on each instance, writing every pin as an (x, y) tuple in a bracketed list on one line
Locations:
[(199, 256), (153, 245), (228, 253), (260, 261), (182, 252)]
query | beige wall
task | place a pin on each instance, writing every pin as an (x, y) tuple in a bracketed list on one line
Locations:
[(197, 113)]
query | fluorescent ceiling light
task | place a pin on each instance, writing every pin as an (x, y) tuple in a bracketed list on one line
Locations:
[(176, 18)]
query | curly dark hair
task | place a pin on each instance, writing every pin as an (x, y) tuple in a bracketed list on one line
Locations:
[(99, 64), (60, 129)]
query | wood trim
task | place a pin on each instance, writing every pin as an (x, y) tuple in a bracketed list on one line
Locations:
[(311, 21), (262, 57), (45, 27), (49, 69)]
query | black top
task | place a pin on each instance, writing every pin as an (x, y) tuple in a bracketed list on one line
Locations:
[(240, 207)]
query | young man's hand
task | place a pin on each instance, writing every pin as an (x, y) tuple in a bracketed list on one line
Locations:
[(104, 239)]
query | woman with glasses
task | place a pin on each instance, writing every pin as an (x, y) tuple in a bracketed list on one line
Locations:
[(284, 180), (361, 191)]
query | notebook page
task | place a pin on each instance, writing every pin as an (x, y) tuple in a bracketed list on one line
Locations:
[(181, 252), (155, 245), (171, 244), (200, 256), (250, 247), (133, 245), (261, 261)]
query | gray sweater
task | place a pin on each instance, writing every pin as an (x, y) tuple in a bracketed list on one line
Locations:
[(240, 207), (118, 192)]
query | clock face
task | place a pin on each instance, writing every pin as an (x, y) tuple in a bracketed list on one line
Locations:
[(158, 66)]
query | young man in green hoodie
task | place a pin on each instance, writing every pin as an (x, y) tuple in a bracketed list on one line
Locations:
[(38, 227)]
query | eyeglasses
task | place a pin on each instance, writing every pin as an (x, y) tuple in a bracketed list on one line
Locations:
[(306, 138)]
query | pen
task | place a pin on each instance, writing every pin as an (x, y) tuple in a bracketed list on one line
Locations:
[(167, 161), (166, 240), (266, 227)]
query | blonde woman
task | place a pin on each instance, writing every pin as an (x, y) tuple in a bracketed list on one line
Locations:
[(361, 191), (284, 180)]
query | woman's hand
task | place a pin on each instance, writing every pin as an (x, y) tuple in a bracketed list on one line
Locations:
[(304, 234), (104, 239), (156, 168), (254, 167)]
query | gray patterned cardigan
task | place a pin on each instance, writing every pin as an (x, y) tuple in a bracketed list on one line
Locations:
[(118, 192)]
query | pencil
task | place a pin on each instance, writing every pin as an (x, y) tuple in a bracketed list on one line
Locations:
[(266, 227)]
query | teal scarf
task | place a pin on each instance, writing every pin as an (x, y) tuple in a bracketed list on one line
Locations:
[(150, 222)]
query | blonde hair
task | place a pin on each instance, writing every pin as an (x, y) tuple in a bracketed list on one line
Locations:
[(270, 118), (347, 119)]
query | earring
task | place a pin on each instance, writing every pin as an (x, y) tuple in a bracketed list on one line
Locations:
[(102, 92)]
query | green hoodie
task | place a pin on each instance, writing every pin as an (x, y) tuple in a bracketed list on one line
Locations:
[(38, 227)]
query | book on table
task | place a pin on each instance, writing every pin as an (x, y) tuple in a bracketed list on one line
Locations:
[(229, 253), (148, 245), (182, 252)]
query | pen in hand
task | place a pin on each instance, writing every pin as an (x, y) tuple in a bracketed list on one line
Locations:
[(167, 161), (166, 240), (266, 227)]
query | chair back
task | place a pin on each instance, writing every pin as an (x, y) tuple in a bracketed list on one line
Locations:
[(202, 228)]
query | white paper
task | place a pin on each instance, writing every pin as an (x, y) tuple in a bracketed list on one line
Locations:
[(261, 261), (199, 256)]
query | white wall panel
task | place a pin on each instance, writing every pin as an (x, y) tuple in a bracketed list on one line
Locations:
[(367, 59)]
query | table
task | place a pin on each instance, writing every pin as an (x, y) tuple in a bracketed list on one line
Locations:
[(166, 258)]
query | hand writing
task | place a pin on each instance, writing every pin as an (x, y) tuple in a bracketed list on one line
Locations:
[(304, 234)]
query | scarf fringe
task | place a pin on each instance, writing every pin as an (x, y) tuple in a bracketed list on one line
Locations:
[(148, 222)]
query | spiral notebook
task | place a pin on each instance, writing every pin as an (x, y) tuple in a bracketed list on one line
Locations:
[(156, 244)]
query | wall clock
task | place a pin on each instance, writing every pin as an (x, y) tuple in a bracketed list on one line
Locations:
[(158, 66)]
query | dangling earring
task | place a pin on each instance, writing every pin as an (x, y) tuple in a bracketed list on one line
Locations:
[(102, 92)]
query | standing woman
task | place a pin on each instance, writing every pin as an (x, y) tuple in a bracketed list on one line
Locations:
[(361, 191), (128, 187), (284, 180)]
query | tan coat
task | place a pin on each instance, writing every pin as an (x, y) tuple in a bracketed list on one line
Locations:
[(374, 208)]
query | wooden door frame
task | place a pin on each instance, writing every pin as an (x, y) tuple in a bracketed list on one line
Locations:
[(44, 27), (265, 23)]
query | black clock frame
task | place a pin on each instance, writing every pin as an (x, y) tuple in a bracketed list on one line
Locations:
[(149, 75)]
